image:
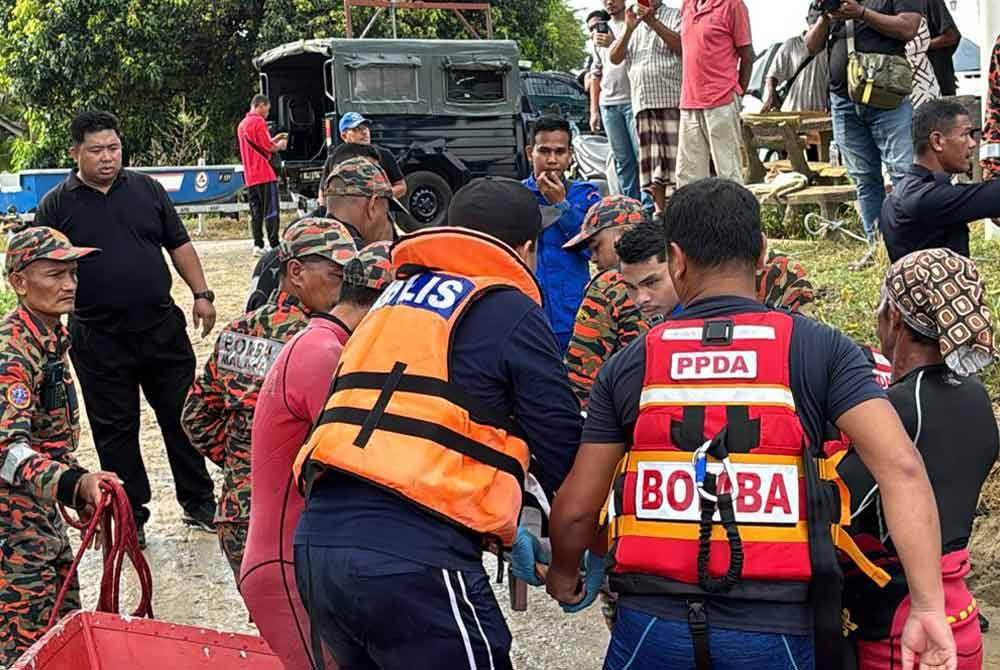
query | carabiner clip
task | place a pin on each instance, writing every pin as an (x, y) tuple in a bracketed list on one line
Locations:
[(699, 461)]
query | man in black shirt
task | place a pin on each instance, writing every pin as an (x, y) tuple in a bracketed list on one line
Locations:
[(127, 332), (866, 136), (356, 129), (944, 42), (926, 210)]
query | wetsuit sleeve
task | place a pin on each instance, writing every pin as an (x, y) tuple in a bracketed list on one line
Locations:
[(204, 417), (544, 406), (20, 464), (308, 375)]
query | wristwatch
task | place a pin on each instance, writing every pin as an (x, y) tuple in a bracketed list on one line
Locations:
[(208, 294)]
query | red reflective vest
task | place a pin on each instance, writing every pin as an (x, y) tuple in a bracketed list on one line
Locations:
[(726, 379)]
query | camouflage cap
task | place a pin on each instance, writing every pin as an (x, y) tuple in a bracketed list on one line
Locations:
[(614, 210), (361, 177), (34, 244), (320, 237), (372, 268)]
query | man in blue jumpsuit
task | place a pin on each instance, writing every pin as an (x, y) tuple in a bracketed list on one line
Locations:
[(563, 275)]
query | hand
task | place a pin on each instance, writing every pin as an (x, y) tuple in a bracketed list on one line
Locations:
[(595, 122), (528, 558), (552, 187), (631, 20), (768, 104), (646, 14), (604, 39), (203, 313), (593, 580), (88, 491), (927, 634), (849, 9), (564, 588), (281, 144)]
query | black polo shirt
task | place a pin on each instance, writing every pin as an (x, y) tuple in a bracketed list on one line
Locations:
[(927, 211), (866, 39), (126, 288)]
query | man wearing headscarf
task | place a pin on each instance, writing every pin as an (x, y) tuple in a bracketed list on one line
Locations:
[(935, 327)]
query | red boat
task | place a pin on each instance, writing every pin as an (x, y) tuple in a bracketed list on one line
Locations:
[(102, 641)]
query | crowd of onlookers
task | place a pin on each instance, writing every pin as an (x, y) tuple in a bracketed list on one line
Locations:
[(666, 86)]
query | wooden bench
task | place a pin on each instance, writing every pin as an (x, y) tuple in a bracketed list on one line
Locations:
[(789, 133), (829, 198)]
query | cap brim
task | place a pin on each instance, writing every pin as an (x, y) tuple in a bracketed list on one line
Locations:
[(578, 242), (75, 253)]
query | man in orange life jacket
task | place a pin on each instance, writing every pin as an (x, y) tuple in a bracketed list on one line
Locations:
[(445, 392), (761, 385)]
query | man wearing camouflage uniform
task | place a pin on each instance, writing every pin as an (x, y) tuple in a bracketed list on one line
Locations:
[(218, 412), (607, 319), (39, 430)]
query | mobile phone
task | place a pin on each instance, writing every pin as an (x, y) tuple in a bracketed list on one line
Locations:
[(602, 27), (644, 3)]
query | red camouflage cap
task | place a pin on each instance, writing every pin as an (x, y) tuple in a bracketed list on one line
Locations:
[(611, 211), (40, 242)]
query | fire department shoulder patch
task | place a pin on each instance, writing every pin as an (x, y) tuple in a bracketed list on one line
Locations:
[(19, 395)]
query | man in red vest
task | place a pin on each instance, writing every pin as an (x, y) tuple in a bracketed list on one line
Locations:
[(709, 433)]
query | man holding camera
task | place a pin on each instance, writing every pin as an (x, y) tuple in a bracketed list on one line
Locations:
[(611, 96), (870, 82)]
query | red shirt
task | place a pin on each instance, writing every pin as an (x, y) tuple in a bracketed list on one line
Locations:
[(710, 37), (292, 397), (256, 167)]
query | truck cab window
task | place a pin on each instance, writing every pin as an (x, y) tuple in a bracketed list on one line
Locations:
[(472, 86)]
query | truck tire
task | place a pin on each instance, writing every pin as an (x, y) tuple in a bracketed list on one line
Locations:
[(427, 198)]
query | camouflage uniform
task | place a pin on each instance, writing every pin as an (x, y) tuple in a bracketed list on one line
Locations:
[(39, 430), (782, 283), (606, 322), (372, 268), (218, 411), (607, 319)]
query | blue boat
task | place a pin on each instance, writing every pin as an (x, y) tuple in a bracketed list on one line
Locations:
[(186, 185)]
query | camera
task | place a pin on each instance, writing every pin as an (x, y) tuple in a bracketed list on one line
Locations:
[(602, 27), (826, 5)]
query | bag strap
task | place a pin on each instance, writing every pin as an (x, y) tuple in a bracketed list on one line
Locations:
[(253, 145), (782, 90), (850, 37)]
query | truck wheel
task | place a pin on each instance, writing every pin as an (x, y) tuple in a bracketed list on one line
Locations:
[(427, 197)]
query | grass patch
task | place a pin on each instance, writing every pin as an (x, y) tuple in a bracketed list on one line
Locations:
[(228, 227), (848, 299), (8, 300)]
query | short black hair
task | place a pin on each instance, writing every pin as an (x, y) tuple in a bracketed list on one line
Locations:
[(715, 221), (548, 124), (92, 122), (498, 206), (344, 152), (359, 296), (934, 115), (259, 99), (599, 13), (642, 242)]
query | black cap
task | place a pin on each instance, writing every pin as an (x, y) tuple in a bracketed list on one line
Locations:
[(501, 207)]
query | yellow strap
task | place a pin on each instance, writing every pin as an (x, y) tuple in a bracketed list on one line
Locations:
[(846, 544), (867, 95)]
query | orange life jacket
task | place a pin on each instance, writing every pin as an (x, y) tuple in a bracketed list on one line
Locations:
[(394, 417), (715, 392)]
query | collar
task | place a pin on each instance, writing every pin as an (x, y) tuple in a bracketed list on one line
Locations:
[(925, 174), (933, 367), (706, 8), (328, 322), (50, 339), (73, 182), (287, 302), (721, 305)]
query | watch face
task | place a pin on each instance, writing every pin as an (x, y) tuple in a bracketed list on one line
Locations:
[(208, 295)]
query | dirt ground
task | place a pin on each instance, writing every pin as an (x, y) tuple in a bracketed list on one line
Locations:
[(193, 583)]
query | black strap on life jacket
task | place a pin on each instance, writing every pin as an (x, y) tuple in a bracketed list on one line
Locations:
[(727, 514), (698, 627)]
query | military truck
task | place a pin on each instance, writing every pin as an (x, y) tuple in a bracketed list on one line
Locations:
[(449, 110)]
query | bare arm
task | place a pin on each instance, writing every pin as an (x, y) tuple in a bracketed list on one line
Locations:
[(907, 496), (619, 49), (769, 88), (575, 511), (945, 40), (817, 36), (746, 66), (399, 188), (188, 265), (670, 38), (902, 27)]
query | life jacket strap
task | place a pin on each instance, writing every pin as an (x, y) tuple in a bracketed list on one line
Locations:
[(698, 626)]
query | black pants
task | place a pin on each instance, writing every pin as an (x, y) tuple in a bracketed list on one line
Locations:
[(263, 199), (112, 367)]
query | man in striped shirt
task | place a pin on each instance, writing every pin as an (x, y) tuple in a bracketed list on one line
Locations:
[(651, 47)]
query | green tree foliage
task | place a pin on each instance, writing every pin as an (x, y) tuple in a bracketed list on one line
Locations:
[(140, 58)]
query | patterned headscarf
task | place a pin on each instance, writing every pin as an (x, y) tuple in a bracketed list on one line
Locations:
[(940, 295), (782, 282)]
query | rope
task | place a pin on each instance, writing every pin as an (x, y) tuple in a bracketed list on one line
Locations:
[(113, 517)]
